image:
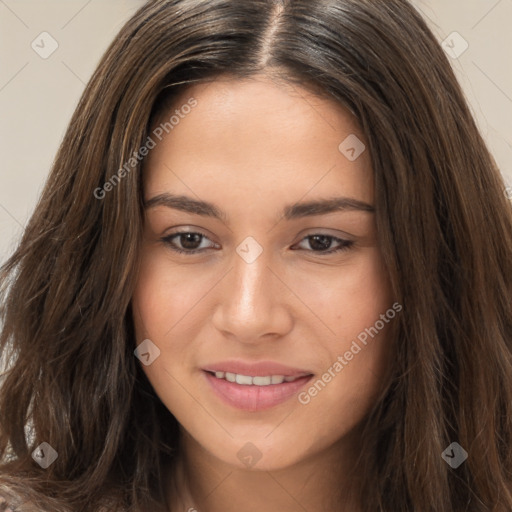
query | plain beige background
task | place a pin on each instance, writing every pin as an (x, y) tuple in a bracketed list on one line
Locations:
[(38, 96)]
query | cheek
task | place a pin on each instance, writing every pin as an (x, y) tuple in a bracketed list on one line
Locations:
[(349, 298), (159, 302), (164, 294), (366, 294), (357, 351), (169, 308), (364, 323)]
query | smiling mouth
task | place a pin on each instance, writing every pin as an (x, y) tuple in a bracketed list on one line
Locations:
[(254, 393), (247, 380)]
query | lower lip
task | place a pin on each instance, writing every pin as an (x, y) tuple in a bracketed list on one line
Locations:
[(255, 398)]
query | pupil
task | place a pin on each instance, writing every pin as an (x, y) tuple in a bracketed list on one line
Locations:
[(188, 242), (325, 242)]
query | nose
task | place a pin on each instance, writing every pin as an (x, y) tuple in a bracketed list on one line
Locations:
[(253, 302)]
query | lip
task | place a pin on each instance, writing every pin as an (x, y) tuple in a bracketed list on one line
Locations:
[(259, 369), (251, 397)]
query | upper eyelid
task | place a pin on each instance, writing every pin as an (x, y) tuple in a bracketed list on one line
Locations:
[(199, 232)]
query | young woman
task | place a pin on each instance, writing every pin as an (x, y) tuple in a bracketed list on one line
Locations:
[(271, 269)]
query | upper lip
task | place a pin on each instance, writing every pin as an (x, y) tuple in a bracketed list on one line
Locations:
[(259, 369)]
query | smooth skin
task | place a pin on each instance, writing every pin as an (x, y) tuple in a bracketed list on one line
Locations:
[(252, 148)]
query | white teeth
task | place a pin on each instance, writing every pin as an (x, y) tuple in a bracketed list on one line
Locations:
[(243, 379), (246, 380), (262, 381)]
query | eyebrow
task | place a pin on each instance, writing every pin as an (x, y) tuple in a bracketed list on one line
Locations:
[(290, 212)]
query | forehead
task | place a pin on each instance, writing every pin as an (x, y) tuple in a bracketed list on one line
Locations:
[(260, 135)]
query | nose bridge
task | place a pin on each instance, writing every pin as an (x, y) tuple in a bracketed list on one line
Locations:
[(250, 283), (251, 303)]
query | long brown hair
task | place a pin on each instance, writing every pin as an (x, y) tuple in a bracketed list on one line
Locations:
[(444, 224)]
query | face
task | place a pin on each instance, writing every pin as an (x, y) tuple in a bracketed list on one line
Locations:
[(260, 265)]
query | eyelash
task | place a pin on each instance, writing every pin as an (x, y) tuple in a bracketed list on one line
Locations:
[(346, 244)]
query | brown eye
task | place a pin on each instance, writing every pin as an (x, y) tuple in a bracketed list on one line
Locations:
[(189, 242), (322, 243)]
